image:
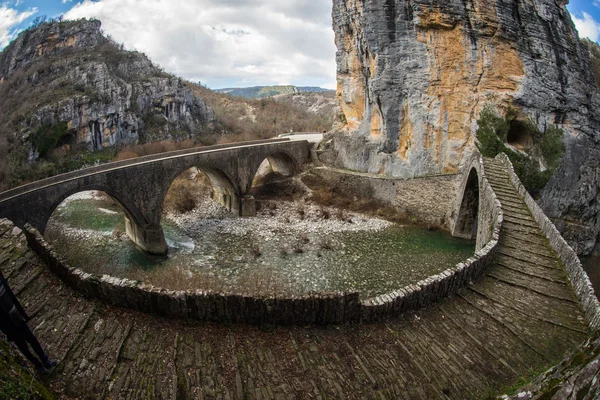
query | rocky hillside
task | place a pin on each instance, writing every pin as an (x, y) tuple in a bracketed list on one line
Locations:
[(414, 76), (65, 87), (259, 92), (244, 119), (322, 104)]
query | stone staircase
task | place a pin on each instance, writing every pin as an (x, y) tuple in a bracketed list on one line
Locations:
[(515, 322)]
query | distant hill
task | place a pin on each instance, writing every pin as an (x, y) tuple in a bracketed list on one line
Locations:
[(258, 92)]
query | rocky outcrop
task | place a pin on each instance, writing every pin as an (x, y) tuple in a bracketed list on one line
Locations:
[(414, 75), (105, 94)]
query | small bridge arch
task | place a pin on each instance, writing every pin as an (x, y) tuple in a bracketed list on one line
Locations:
[(467, 212)]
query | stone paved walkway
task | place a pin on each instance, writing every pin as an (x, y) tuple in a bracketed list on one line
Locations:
[(520, 318)]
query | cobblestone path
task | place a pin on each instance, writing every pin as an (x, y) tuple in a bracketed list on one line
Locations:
[(517, 320)]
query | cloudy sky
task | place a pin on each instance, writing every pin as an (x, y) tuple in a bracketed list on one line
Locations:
[(226, 43)]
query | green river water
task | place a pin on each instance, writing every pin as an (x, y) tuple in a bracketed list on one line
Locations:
[(283, 262)]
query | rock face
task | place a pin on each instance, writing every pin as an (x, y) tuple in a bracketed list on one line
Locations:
[(414, 75), (105, 94)]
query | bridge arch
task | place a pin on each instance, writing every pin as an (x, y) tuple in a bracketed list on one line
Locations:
[(281, 163), (467, 216), (224, 191), (133, 215)]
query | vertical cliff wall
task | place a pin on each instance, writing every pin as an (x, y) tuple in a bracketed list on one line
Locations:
[(413, 76)]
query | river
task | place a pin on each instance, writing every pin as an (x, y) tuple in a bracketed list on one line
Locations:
[(288, 249)]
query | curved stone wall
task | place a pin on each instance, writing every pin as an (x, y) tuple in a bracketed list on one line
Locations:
[(579, 279), (320, 308)]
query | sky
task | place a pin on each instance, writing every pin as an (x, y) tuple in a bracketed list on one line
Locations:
[(226, 43)]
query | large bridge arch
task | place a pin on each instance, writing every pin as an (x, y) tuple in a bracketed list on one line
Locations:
[(129, 211)]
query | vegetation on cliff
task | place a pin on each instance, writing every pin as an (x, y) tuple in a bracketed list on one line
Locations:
[(494, 132)]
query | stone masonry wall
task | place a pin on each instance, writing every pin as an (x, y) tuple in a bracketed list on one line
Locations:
[(430, 199), (579, 279)]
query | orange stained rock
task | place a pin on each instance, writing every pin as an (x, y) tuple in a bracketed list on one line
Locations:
[(406, 132), (376, 122), (463, 79), (353, 109)]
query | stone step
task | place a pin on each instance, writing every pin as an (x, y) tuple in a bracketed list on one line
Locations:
[(497, 186), (516, 204), (515, 209), (520, 221), (539, 249), (516, 247), (497, 177), (521, 299), (522, 229), (533, 284), (526, 238), (527, 257), (553, 275), (517, 214), (499, 189)]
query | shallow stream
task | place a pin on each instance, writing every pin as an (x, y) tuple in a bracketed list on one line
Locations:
[(288, 249)]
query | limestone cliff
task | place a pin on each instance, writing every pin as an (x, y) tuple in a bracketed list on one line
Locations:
[(413, 76), (70, 72)]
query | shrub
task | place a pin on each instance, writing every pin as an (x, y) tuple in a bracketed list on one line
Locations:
[(492, 134), (47, 137), (552, 146)]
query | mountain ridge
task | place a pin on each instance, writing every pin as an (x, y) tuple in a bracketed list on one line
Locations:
[(258, 92)]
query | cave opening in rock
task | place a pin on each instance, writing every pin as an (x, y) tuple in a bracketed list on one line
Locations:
[(519, 135)]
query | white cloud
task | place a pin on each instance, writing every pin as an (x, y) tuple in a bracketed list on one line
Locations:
[(587, 26), (9, 19), (224, 41)]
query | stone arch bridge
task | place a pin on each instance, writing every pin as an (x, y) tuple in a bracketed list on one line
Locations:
[(140, 185)]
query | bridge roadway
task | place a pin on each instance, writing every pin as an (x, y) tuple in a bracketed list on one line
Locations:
[(140, 185), (520, 318)]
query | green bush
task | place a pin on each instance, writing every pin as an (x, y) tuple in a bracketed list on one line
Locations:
[(492, 135), (47, 137), (552, 146)]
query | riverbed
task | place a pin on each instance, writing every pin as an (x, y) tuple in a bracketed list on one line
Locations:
[(289, 248)]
